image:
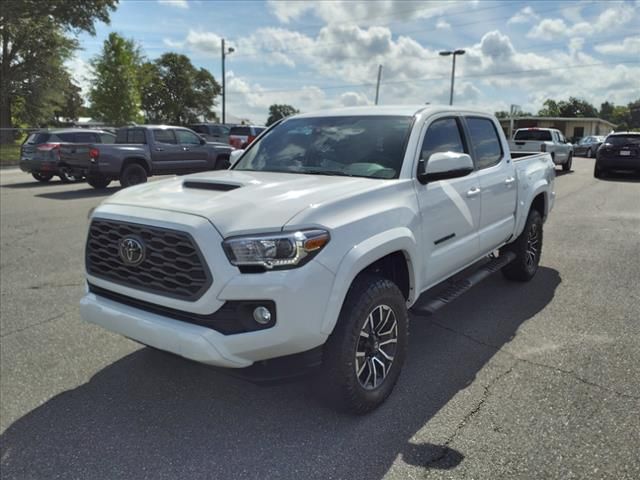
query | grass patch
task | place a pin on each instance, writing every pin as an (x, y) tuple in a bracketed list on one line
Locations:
[(9, 154)]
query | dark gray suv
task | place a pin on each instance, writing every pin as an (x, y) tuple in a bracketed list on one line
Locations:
[(40, 152)]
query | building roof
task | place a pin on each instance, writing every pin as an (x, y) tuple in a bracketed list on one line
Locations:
[(562, 119)]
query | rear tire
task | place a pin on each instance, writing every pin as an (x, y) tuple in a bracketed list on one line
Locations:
[(42, 177), (133, 174), (66, 177), (597, 171), (566, 167), (98, 181), (528, 250), (222, 164), (363, 357)]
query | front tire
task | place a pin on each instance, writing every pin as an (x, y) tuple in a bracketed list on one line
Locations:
[(589, 153), (528, 250), (566, 167), (363, 357), (42, 177), (133, 174)]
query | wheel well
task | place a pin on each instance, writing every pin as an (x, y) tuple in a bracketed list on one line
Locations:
[(393, 267), (539, 204), (139, 161)]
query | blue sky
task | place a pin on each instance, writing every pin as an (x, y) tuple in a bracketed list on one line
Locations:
[(322, 54)]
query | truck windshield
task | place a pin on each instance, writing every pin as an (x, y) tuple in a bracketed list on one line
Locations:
[(355, 146), (535, 135)]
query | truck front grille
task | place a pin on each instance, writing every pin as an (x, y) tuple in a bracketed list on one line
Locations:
[(170, 265)]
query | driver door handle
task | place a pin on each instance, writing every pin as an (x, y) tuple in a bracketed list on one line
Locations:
[(509, 180), (158, 149), (473, 192), (186, 149)]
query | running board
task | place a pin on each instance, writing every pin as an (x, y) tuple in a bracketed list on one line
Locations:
[(458, 287)]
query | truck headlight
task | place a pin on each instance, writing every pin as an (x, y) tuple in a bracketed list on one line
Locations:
[(280, 250)]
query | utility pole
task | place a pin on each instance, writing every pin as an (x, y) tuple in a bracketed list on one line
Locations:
[(453, 68), (512, 113), (378, 84), (225, 52)]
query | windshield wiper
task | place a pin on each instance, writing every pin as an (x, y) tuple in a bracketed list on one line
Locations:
[(337, 173)]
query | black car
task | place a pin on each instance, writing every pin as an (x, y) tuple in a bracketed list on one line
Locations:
[(40, 152), (212, 132), (588, 146), (620, 151)]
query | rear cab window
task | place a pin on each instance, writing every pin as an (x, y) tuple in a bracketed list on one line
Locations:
[(240, 131), (533, 135), (485, 142), (131, 135)]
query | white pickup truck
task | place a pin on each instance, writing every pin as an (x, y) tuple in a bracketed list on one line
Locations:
[(312, 248), (527, 141)]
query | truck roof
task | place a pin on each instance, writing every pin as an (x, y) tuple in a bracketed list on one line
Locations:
[(400, 110)]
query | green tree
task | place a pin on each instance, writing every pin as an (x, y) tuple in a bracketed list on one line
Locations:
[(277, 111), (70, 105), (550, 109), (36, 38), (115, 92), (574, 107), (175, 91), (606, 111)]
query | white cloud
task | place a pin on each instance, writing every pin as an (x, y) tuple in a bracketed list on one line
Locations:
[(361, 12), (353, 99), (609, 19), (526, 15), (184, 4), (630, 46), (548, 29), (81, 73), (443, 24)]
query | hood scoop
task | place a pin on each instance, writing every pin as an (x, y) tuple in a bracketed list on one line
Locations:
[(205, 185)]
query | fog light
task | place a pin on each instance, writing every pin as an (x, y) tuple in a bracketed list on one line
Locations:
[(262, 315)]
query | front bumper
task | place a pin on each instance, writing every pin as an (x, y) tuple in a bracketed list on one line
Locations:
[(300, 297)]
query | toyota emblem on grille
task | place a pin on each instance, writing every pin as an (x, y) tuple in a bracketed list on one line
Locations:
[(131, 251)]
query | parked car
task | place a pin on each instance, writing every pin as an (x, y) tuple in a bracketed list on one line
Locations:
[(142, 151), (311, 248), (212, 132), (588, 146), (40, 152), (531, 140), (620, 151), (241, 136)]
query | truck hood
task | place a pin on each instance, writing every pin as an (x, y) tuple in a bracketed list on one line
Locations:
[(240, 202)]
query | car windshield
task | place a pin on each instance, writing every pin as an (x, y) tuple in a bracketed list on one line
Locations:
[(355, 146), (537, 135), (624, 140)]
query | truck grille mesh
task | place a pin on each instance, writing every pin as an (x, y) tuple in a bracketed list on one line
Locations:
[(173, 265)]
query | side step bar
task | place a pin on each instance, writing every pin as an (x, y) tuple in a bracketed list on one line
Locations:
[(458, 287)]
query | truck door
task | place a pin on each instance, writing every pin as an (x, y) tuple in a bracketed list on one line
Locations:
[(165, 152), (497, 177), (450, 209), (194, 155)]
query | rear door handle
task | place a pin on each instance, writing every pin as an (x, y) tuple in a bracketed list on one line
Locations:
[(473, 192), (509, 180), (158, 149), (186, 149)]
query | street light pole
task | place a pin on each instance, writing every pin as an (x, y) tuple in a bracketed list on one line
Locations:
[(225, 52), (453, 69)]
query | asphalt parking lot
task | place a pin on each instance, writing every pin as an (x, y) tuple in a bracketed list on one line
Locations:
[(537, 380)]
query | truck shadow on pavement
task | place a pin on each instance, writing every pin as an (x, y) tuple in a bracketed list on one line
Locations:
[(154, 415), (76, 194)]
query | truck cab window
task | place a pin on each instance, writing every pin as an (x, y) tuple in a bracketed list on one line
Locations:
[(162, 135)]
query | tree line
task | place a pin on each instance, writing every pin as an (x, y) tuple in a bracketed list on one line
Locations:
[(625, 117)]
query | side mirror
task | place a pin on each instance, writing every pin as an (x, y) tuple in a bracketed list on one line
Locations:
[(235, 155), (444, 165), (203, 141)]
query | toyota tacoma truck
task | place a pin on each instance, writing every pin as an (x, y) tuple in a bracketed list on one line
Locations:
[(317, 242), (142, 151), (532, 140)]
